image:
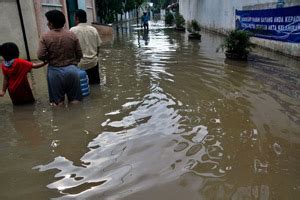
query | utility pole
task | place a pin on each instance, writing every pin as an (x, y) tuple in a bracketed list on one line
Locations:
[(23, 29)]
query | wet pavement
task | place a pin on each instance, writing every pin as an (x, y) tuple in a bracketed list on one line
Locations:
[(172, 119)]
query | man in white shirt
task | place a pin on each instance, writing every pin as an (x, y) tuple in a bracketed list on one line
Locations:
[(90, 41)]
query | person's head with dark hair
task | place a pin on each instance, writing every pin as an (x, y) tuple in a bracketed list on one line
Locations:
[(56, 19), (9, 51), (80, 16)]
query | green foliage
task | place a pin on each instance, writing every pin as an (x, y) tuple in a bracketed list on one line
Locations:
[(169, 19), (139, 2), (179, 20), (156, 8), (162, 3), (108, 9), (193, 27), (238, 42), (129, 5)]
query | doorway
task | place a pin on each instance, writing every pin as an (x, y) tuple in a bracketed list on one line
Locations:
[(72, 6)]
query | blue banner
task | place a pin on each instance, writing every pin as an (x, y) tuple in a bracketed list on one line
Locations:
[(281, 24)]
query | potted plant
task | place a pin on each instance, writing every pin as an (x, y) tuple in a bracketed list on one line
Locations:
[(193, 28), (169, 19), (237, 45), (180, 22)]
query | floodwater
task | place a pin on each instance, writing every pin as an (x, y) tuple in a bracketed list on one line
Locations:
[(172, 119)]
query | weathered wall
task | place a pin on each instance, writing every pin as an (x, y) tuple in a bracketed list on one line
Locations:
[(10, 26), (43, 6), (219, 16), (90, 9)]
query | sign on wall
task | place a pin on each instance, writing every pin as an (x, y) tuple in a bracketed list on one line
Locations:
[(281, 24)]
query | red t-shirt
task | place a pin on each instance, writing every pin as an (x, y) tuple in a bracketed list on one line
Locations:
[(18, 85)]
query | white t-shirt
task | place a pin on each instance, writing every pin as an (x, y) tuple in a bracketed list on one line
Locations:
[(90, 41)]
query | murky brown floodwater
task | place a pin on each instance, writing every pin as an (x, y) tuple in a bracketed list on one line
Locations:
[(172, 120)]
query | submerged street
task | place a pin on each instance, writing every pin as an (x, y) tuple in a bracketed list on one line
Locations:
[(172, 119)]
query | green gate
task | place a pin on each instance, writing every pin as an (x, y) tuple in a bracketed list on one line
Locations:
[(72, 6)]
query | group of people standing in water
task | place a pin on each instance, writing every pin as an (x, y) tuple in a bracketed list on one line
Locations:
[(63, 51)]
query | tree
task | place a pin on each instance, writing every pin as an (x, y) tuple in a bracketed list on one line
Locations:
[(162, 3), (139, 2), (116, 8), (109, 9), (129, 5)]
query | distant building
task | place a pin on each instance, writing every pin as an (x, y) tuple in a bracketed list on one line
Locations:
[(35, 23)]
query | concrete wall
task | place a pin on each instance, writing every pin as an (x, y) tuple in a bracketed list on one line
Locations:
[(43, 6), (90, 9), (10, 26), (219, 16)]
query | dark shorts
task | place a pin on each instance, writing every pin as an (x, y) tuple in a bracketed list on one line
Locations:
[(22, 94), (93, 75), (146, 25), (63, 81)]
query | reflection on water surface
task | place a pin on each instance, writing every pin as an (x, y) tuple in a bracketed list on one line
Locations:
[(172, 119)]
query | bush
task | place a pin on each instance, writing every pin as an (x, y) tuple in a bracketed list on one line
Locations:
[(169, 19), (179, 20), (238, 42), (193, 27)]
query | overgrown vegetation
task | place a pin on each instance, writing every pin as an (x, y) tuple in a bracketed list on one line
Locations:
[(193, 27), (161, 4), (169, 19), (108, 10), (179, 21), (238, 42)]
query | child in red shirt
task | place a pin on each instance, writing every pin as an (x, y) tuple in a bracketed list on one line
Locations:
[(15, 75)]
